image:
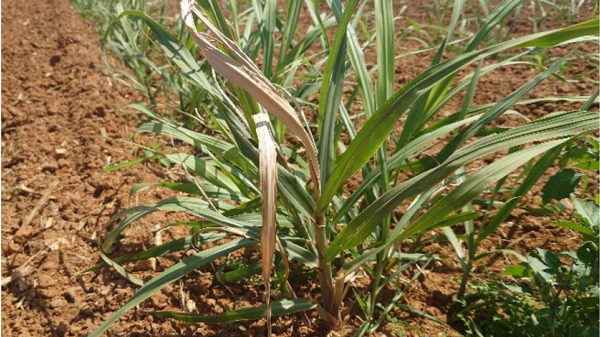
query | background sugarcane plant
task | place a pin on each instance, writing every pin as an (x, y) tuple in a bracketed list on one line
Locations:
[(256, 187)]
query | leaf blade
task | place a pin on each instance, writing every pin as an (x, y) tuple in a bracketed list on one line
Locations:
[(377, 128), (279, 308), (171, 275)]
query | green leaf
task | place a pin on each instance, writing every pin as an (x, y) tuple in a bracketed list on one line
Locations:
[(289, 30), (210, 190), (534, 175), (377, 129), (501, 251), (173, 49), (588, 210), (574, 226), (474, 185), (120, 270), (424, 108), (359, 65), (456, 218), (498, 109), (185, 243), (116, 166), (384, 30), (202, 142), (493, 20), (561, 185), (171, 275), (588, 104), (517, 288), (422, 313), (590, 165), (208, 169), (552, 127), (195, 139), (588, 253), (359, 261), (189, 205), (278, 308), (199, 208), (550, 259), (408, 152), (568, 33), (268, 35), (539, 267), (240, 273), (331, 93), (517, 270)]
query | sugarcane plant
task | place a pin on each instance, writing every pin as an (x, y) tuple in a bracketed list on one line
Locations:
[(256, 187)]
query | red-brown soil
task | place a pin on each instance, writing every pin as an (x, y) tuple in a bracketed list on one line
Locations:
[(62, 120)]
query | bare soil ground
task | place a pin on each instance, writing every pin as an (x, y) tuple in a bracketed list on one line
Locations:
[(62, 120)]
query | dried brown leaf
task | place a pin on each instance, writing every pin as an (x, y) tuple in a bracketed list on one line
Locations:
[(268, 189), (244, 73)]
